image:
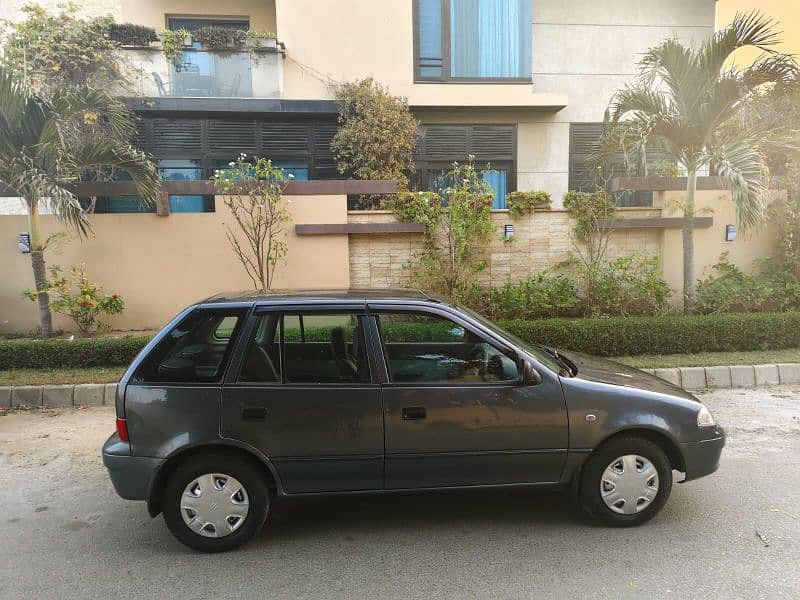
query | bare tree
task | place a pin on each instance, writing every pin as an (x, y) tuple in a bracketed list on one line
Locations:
[(253, 192)]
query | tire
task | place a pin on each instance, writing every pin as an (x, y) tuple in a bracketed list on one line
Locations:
[(637, 509), (224, 473)]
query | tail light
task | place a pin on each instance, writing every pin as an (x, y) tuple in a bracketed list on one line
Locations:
[(122, 429)]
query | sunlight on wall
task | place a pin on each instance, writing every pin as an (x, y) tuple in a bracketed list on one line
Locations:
[(787, 12)]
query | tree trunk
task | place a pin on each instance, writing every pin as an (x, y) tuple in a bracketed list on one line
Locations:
[(39, 269), (688, 244)]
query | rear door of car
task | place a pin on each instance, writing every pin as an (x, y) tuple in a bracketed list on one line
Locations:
[(302, 392), (456, 410)]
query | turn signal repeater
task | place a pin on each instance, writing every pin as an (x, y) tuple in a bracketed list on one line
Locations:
[(122, 429)]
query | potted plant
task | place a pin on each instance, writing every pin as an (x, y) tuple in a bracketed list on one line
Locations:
[(132, 35), (261, 40), (220, 38)]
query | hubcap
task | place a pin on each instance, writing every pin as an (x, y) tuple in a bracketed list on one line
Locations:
[(629, 484), (214, 505)]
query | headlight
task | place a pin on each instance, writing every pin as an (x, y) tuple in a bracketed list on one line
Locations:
[(704, 418)]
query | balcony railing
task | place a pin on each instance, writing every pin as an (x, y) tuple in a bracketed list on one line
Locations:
[(204, 73)]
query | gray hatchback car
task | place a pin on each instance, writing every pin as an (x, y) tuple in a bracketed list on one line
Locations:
[(245, 396)]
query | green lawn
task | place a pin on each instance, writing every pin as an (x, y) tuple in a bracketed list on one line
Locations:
[(710, 359), (56, 376)]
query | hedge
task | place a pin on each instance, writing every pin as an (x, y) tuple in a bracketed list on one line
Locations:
[(670, 334), (78, 353), (618, 336)]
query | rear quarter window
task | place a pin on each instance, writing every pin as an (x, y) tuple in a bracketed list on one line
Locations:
[(196, 350)]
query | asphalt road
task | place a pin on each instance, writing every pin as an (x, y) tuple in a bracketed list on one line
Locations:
[(65, 534)]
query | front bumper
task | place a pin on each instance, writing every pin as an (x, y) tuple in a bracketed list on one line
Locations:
[(132, 476), (702, 457)]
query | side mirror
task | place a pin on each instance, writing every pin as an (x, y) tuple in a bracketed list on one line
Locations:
[(530, 375)]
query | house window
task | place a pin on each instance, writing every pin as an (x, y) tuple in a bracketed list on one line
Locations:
[(472, 40), (493, 146)]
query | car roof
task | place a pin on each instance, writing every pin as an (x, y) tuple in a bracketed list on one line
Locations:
[(331, 295)]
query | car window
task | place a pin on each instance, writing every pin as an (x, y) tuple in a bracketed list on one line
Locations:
[(427, 348), (315, 348), (197, 350)]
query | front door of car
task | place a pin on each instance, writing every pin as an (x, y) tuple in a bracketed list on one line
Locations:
[(302, 393), (456, 410)]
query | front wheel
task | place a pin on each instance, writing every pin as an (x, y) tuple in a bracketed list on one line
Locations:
[(214, 502), (625, 482)]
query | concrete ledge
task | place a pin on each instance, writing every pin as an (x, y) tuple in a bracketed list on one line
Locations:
[(5, 396), (110, 394), (57, 396), (89, 394), (737, 376), (26, 395)]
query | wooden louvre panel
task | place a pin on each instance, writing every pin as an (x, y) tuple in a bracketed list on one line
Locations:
[(582, 137), (323, 136), (279, 138), (493, 142), (232, 135), (457, 142), (177, 136), (141, 137)]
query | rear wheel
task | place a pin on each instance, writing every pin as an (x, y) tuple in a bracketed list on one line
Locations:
[(625, 482), (215, 502)]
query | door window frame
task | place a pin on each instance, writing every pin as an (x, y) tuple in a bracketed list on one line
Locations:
[(496, 342), (245, 337)]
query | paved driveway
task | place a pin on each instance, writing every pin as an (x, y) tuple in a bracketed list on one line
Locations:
[(65, 534)]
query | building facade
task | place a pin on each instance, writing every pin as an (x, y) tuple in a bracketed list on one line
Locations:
[(520, 84)]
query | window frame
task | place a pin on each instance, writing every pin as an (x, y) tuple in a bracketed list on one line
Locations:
[(446, 76), (230, 358), (507, 350), (234, 373)]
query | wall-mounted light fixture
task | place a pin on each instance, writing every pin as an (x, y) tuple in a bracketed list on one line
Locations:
[(508, 231), (730, 233)]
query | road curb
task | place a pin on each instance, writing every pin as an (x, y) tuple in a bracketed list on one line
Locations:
[(736, 376), (58, 396)]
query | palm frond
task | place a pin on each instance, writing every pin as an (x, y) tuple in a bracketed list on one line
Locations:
[(113, 153), (753, 29), (743, 168)]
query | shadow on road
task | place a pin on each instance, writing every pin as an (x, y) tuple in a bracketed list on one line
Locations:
[(292, 518)]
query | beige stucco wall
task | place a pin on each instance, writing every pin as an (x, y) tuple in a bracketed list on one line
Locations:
[(745, 251), (153, 13), (161, 264)]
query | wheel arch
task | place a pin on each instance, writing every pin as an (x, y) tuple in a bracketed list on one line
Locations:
[(659, 437), (241, 451)]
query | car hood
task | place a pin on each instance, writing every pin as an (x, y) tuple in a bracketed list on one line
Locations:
[(603, 370)]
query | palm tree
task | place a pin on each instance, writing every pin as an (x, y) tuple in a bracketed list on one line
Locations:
[(48, 144), (684, 102)]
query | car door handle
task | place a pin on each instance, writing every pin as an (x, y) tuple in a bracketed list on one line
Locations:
[(413, 413), (254, 413)]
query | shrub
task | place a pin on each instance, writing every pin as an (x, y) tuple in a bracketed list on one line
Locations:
[(538, 296), (667, 334), (376, 134), (78, 298), (728, 289), (629, 285), (78, 353), (131, 34), (524, 203)]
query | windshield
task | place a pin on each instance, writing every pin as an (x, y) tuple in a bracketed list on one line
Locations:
[(543, 357)]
